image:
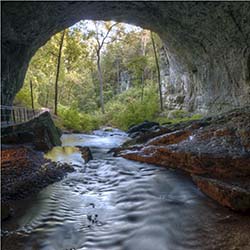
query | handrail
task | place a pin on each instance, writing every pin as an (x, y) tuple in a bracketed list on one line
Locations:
[(13, 115)]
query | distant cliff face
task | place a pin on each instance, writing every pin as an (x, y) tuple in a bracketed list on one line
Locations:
[(207, 45)]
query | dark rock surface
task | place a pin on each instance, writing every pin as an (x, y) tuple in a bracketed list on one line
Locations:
[(25, 172), (6, 211), (216, 150), (207, 44), (142, 127), (41, 132), (86, 153)]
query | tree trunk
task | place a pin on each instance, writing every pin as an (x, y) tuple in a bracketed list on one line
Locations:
[(47, 99), (98, 53), (118, 76), (100, 80), (143, 47), (142, 85), (58, 71), (31, 95), (158, 70)]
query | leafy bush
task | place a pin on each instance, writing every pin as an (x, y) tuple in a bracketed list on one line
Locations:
[(23, 98), (122, 111), (178, 114), (89, 122), (72, 119), (166, 120), (128, 108)]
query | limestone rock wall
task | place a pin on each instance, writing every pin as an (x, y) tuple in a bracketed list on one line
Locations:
[(208, 49), (208, 44), (40, 132)]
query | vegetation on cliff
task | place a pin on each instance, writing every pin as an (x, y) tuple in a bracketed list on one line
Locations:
[(122, 55)]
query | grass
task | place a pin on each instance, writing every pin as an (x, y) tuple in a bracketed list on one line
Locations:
[(165, 120)]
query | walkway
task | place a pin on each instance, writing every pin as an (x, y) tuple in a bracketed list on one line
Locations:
[(13, 115)]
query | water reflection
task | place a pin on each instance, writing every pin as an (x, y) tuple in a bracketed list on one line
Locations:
[(116, 204), (65, 154), (93, 140)]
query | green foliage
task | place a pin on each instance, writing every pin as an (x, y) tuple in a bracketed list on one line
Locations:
[(178, 114), (23, 98), (126, 51), (72, 119), (165, 120), (128, 109)]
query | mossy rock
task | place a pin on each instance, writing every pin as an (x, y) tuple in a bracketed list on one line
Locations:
[(177, 114)]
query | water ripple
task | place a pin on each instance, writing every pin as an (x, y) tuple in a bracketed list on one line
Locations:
[(116, 204)]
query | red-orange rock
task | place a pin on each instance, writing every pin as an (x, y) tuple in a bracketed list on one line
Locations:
[(218, 147), (170, 138), (194, 163), (228, 195)]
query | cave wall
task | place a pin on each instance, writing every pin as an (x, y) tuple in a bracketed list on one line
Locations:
[(207, 57), (207, 44)]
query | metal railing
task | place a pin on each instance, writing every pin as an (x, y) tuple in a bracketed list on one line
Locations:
[(11, 115)]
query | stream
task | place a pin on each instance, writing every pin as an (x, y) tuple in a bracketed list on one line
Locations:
[(116, 204)]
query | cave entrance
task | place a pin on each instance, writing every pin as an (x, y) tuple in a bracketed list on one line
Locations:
[(96, 73), (33, 23), (200, 59)]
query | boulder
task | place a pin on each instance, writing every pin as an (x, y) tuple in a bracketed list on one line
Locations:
[(170, 138), (216, 149), (86, 153), (42, 139), (142, 127), (215, 165), (41, 132), (226, 193)]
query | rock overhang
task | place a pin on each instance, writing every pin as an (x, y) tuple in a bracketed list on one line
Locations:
[(208, 43)]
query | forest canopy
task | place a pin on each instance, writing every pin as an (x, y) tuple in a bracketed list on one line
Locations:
[(96, 73)]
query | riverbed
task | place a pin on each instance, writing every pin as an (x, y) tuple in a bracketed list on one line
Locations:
[(116, 204)]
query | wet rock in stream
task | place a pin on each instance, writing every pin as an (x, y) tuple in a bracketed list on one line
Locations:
[(85, 152), (217, 148)]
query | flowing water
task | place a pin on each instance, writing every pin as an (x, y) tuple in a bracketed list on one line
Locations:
[(116, 204)]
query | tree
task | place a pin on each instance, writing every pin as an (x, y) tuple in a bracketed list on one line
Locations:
[(58, 70), (31, 95), (137, 66), (95, 64), (144, 41), (100, 38), (158, 70)]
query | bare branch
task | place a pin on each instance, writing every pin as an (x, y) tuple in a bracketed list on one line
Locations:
[(105, 37)]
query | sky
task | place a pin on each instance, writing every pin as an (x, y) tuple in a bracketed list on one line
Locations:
[(86, 26), (89, 25)]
